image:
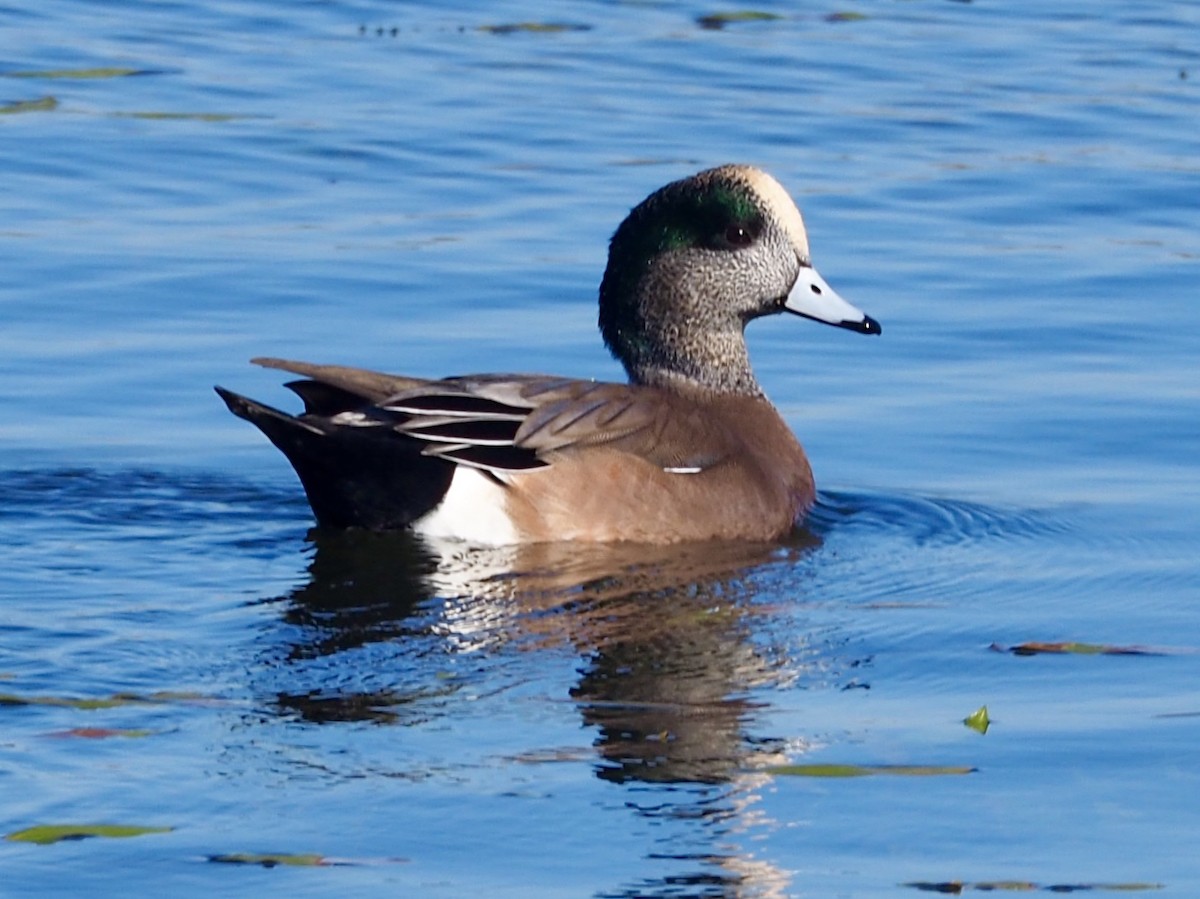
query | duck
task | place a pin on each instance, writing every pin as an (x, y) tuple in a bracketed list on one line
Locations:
[(688, 449)]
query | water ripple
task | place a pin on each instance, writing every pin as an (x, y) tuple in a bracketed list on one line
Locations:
[(163, 509), (929, 521)]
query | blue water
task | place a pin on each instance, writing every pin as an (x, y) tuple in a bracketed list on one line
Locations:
[(1012, 191)]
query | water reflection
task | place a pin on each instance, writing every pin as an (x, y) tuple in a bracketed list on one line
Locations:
[(672, 647), (665, 634), (361, 588)]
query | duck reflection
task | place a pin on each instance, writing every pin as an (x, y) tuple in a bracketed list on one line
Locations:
[(670, 639), (362, 588), (665, 633)]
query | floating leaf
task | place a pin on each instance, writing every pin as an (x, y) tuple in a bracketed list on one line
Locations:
[(272, 859), (949, 887), (43, 104), (45, 834), (99, 72), (827, 770), (104, 702), (102, 733), (957, 887), (845, 17), (173, 696), (978, 720), (296, 860), (108, 702), (1087, 649), (1010, 886), (534, 27), (186, 116), (717, 20)]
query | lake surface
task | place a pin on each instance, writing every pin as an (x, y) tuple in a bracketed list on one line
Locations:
[(1014, 192)]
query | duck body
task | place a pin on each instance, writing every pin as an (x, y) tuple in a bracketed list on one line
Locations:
[(690, 449)]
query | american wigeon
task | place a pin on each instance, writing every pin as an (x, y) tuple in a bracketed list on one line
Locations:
[(689, 449)]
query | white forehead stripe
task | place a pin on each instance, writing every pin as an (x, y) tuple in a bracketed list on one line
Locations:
[(781, 205)]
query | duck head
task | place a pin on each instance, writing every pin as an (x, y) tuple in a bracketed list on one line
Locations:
[(696, 261)]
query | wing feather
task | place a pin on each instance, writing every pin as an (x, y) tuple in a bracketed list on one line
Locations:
[(512, 422)]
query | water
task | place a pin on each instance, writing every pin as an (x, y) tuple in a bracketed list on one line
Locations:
[(1011, 191)]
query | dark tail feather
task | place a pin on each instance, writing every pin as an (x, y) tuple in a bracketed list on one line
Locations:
[(354, 477)]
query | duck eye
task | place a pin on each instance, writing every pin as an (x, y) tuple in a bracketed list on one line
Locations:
[(738, 236)]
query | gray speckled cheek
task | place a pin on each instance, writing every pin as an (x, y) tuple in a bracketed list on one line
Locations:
[(785, 261), (693, 316), (754, 279)]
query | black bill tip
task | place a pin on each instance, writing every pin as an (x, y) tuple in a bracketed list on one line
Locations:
[(868, 325)]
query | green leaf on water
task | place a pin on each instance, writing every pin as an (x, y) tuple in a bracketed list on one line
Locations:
[(45, 834), (718, 20), (103, 733), (272, 859), (845, 17), (186, 116), (534, 27), (978, 720), (42, 104), (116, 700), (296, 860), (70, 702), (833, 770), (957, 887), (1036, 647), (73, 74)]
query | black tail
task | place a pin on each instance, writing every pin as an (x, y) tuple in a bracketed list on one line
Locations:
[(369, 477)]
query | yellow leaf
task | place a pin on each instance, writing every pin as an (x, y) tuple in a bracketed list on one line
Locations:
[(42, 104), (99, 72), (978, 720), (45, 834)]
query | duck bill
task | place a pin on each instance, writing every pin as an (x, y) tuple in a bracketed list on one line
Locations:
[(812, 298)]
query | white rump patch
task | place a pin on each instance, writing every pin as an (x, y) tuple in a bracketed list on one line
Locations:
[(684, 469), (474, 509)]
